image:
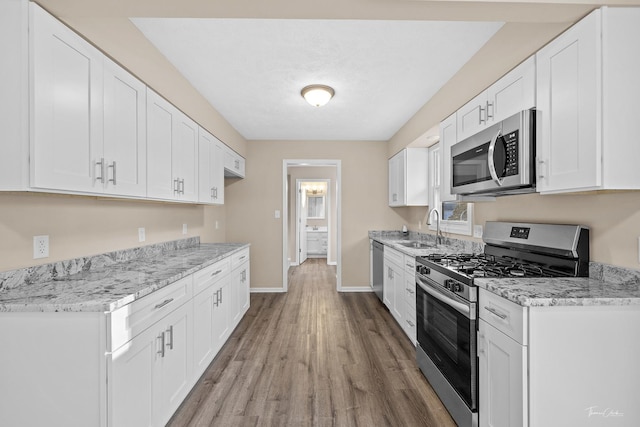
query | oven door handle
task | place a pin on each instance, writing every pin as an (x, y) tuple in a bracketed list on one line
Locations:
[(461, 308), (491, 161)]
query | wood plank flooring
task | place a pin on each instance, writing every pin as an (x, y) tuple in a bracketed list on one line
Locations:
[(314, 357)]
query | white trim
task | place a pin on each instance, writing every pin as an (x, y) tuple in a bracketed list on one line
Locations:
[(266, 290), (285, 215), (355, 289), (332, 263)]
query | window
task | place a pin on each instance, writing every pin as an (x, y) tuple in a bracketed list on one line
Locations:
[(455, 216)]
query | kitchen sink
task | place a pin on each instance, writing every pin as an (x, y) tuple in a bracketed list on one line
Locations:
[(415, 244)]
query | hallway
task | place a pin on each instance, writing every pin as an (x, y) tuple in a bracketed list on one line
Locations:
[(314, 357)]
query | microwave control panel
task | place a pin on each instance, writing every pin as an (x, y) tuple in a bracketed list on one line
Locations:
[(511, 152)]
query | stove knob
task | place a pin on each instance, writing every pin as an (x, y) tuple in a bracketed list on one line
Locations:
[(423, 269), (448, 284), (457, 287)]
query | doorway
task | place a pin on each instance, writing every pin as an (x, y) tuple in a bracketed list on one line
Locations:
[(314, 219), (303, 211)]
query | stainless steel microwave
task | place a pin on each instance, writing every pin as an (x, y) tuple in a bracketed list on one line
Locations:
[(498, 160)]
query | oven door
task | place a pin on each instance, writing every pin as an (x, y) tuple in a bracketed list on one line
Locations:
[(447, 334)]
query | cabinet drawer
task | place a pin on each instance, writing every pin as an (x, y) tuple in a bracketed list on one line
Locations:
[(132, 319), (210, 275), (506, 316), (239, 258), (409, 265), (393, 256)]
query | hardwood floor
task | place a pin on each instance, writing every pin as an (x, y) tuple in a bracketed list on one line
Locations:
[(314, 357)]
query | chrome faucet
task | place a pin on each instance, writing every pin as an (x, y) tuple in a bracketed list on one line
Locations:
[(438, 232)]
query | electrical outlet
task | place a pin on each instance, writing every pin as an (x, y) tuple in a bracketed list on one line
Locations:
[(419, 225), (638, 249), (277, 214), (184, 228), (217, 225), (141, 235), (40, 247), (477, 231)]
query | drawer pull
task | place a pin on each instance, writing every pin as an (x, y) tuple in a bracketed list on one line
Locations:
[(409, 290), (411, 323), (495, 312), (215, 273), (243, 257), (163, 303)]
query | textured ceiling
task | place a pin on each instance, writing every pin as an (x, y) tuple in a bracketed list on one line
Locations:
[(252, 70)]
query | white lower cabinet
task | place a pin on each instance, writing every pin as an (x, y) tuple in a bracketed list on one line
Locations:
[(557, 365), (503, 379), (152, 374), (130, 367), (399, 289)]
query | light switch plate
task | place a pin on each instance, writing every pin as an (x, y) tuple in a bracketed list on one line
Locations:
[(184, 229), (40, 247), (277, 214), (141, 235), (477, 231)]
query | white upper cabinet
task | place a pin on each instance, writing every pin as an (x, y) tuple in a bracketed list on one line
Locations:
[(408, 178), (210, 169), (448, 133), (234, 164), (184, 154), (514, 92), (125, 139), (587, 101), (67, 108), (172, 147), (160, 122)]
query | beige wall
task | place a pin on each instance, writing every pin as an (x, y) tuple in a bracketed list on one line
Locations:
[(252, 202), (79, 226), (314, 172)]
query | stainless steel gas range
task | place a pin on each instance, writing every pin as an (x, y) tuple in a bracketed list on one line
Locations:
[(446, 300)]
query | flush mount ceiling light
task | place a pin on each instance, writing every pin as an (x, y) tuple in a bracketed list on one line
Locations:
[(317, 95)]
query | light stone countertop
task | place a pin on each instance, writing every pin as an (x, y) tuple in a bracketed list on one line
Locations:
[(607, 285), (109, 287), (562, 291)]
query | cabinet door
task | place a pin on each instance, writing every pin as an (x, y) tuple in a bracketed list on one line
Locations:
[(125, 139), (210, 169), (132, 381), (185, 157), (176, 364), (396, 180), (160, 120), (502, 379), (239, 292), (222, 313), (67, 108), (514, 92), (447, 139), (233, 163), (399, 306), (245, 289), (472, 117), (387, 287), (568, 88), (204, 343)]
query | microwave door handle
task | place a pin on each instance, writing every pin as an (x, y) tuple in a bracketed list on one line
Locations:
[(461, 308), (491, 161)]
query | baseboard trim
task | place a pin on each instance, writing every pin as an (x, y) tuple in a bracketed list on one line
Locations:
[(355, 289), (266, 290), (332, 263)]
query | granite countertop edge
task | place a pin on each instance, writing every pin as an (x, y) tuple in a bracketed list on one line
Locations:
[(156, 280)]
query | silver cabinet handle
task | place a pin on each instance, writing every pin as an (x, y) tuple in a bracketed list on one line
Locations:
[(495, 312), (181, 186), (541, 174), (215, 193), (101, 177), (220, 295), (215, 273), (113, 166), (176, 186), (161, 338), (411, 323), (480, 119), (237, 164), (215, 303), (170, 332), (163, 303), (411, 291), (490, 116)]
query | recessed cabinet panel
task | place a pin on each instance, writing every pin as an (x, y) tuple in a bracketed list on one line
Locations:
[(159, 139), (66, 107), (125, 141)]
